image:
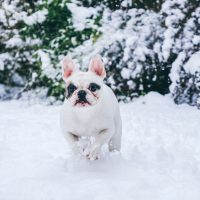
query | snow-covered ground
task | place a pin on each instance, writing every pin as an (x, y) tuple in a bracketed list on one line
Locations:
[(160, 157)]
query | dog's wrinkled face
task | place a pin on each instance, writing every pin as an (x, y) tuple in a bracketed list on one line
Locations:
[(83, 88)]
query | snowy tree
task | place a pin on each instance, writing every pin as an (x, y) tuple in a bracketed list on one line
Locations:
[(34, 36), (17, 62), (144, 50), (60, 33), (180, 47), (146, 45), (127, 43)]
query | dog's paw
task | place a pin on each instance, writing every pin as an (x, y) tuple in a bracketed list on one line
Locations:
[(93, 153)]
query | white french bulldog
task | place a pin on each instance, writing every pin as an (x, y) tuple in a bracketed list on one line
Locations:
[(90, 109)]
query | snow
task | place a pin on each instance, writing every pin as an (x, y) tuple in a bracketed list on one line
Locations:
[(18, 80), (125, 73), (47, 66), (176, 66), (159, 158), (196, 39), (12, 9), (193, 64), (37, 17), (134, 41), (1, 65), (80, 15), (14, 42)]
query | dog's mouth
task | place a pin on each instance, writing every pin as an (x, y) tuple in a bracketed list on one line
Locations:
[(82, 103)]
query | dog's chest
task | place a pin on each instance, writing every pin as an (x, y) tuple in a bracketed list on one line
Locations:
[(89, 123), (85, 122)]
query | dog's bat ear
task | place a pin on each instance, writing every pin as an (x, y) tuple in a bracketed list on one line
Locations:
[(68, 67), (96, 66)]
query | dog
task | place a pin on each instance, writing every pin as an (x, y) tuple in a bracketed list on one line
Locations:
[(90, 109)]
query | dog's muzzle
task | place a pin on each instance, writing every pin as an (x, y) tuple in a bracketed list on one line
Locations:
[(82, 95), (82, 101)]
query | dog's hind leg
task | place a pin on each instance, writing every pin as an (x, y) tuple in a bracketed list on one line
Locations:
[(115, 142)]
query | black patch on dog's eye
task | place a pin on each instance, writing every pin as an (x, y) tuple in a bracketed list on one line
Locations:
[(94, 87), (70, 89)]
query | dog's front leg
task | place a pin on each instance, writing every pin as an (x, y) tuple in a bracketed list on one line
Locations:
[(100, 139), (72, 141)]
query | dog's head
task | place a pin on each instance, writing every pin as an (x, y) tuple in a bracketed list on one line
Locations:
[(83, 88)]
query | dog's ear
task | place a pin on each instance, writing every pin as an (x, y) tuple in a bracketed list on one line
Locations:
[(96, 66), (68, 67)]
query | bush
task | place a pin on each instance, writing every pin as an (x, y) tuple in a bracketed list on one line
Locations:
[(146, 45), (183, 31), (129, 43), (34, 37), (17, 61), (143, 49)]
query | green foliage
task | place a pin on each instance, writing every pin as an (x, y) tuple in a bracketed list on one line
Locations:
[(16, 69), (56, 36), (121, 4), (146, 40)]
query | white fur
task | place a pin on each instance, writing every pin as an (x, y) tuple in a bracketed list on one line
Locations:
[(100, 120)]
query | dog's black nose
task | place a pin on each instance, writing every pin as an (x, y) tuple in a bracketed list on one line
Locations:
[(81, 95)]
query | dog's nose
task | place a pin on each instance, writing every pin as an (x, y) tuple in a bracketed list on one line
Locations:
[(82, 94)]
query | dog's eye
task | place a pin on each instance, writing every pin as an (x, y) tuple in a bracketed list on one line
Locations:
[(93, 87), (71, 88)]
